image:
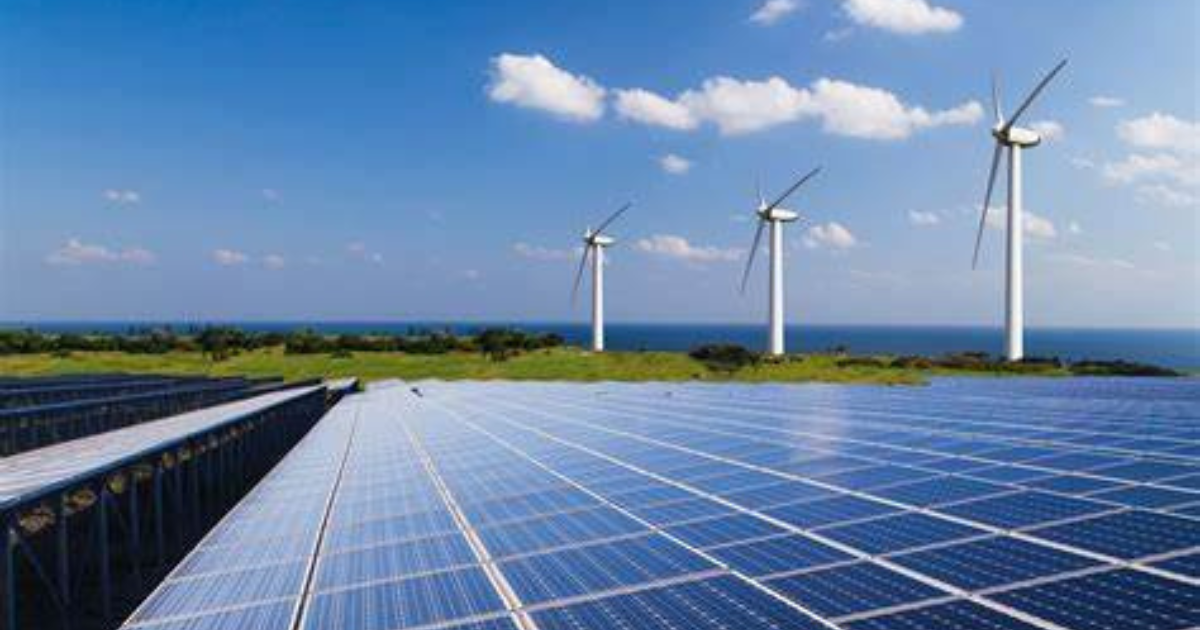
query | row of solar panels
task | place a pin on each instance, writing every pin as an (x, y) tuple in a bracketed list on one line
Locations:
[(567, 506), (66, 412)]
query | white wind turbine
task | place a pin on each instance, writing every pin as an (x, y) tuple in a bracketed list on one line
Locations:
[(776, 217), (594, 242), (1009, 136)]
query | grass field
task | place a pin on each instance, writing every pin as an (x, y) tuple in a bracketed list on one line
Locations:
[(564, 364)]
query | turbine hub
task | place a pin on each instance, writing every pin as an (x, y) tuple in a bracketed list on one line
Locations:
[(1016, 136)]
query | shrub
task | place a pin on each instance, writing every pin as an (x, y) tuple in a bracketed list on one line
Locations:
[(724, 357)]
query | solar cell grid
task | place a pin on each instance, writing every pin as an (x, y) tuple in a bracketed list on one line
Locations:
[(542, 473)]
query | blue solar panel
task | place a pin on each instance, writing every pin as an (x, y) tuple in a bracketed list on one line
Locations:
[(722, 603), (605, 506), (405, 603), (1023, 509), (1127, 535), (897, 533), (957, 615), (780, 554), (1115, 599), (991, 562), (853, 588)]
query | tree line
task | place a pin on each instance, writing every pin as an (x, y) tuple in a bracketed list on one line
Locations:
[(221, 342)]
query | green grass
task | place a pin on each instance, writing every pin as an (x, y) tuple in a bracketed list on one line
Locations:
[(563, 364)]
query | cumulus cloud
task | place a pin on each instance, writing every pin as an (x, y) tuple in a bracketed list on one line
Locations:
[(772, 11), (865, 112), (274, 261), (122, 197), (1161, 131), (1034, 225), (1049, 130), (739, 107), (649, 108), (535, 252), (229, 257), (674, 164), (532, 81), (1104, 101), (1138, 167), (920, 217), (832, 235), (76, 252), (905, 17), (1074, 228), (678, 248)]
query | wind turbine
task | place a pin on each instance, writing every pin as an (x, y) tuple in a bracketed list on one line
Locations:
[(594, 242), (775, 216), (1014, 138)]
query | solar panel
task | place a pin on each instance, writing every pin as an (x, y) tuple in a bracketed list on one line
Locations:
[(995, 505)]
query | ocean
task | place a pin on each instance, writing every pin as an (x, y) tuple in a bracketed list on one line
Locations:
[(1178, 348)]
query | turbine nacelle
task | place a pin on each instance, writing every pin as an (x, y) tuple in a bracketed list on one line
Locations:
[(776, 214), (597, 239), (1012, 136)]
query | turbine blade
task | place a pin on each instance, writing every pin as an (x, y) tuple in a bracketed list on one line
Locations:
[(613, 217), (762, 202), (787, 193), (750, 259), (996, 109), (987, 201), (1032, 95), (587, 249)]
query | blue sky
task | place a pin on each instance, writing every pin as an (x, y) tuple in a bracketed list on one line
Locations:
[(385, 160)]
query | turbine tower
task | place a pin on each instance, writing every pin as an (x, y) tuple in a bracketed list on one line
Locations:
[(594, 242), (776, 216), (1014, 139)]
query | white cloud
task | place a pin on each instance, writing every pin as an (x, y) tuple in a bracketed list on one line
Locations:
[(229, 257), (833, 235), (1162, 246), (1049, 130), (535, 252), (1159, 166), (270, 194), (76, 252), (1074, 228), (651, 109), (123, 197), (674, 164), (678, 247), (906, 17), (865, 112), (920, 217), (1103, 101), (1163, 195), (772, 11), (532, 81), (1161, 131), (1034, 225), (274, 261), (471, 275), (740, 107)]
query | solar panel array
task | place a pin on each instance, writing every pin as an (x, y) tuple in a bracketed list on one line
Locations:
[(987, 504)]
